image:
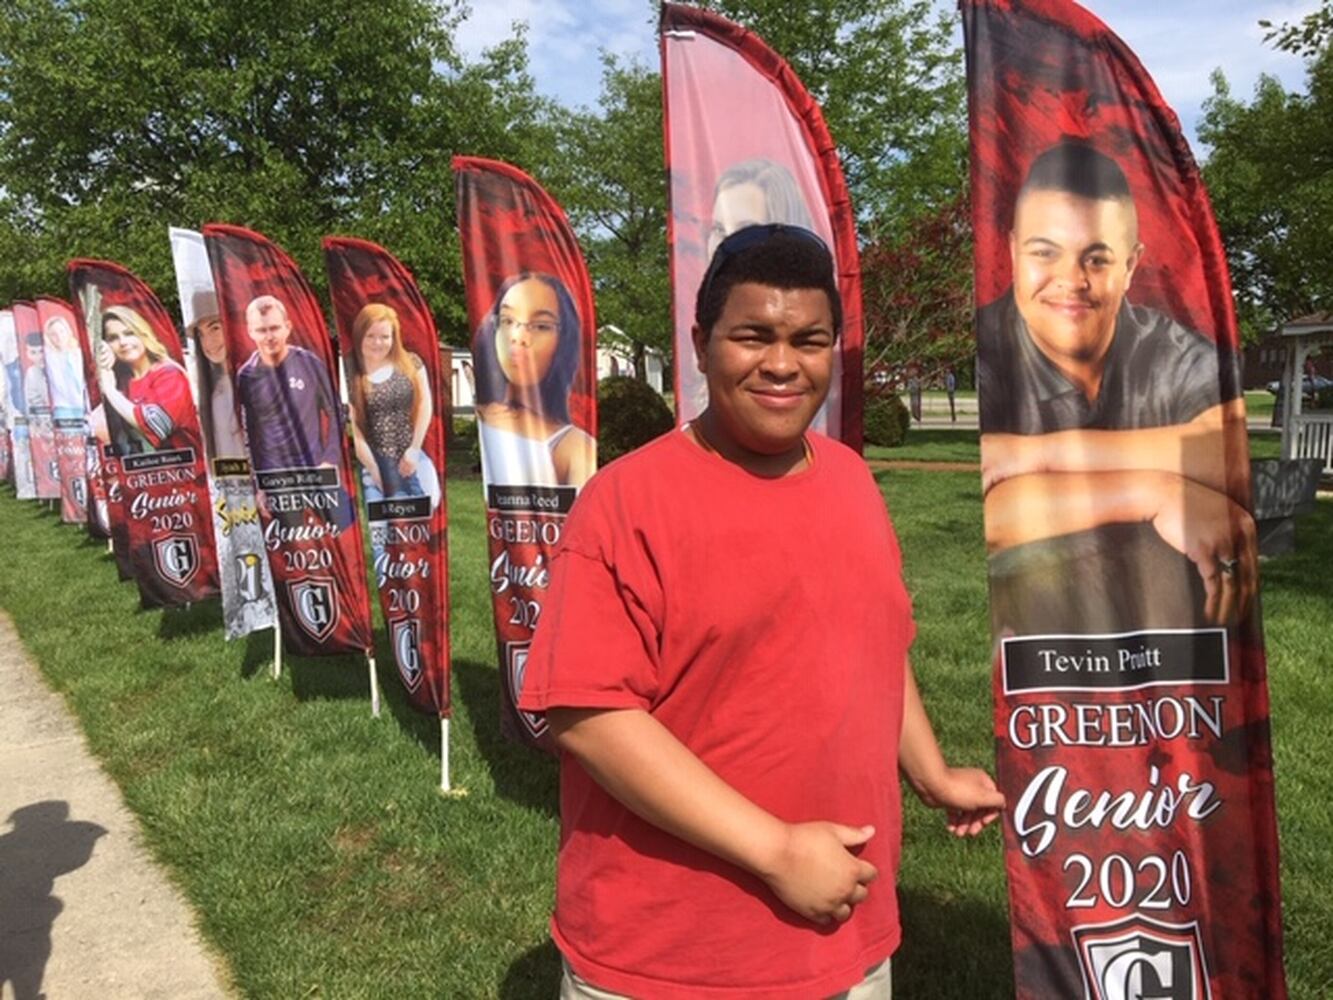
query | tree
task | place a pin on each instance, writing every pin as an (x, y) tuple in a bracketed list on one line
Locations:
[(917, 292), (297, 118), (1270, 177), (612, 181), (1307, 36)]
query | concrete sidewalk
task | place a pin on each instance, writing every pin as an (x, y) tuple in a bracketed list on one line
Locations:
[(84, 911)]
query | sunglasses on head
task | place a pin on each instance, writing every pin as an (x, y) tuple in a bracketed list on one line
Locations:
[(753, 236)]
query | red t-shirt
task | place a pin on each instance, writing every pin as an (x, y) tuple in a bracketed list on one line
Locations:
[(164, 407), (765, 623)]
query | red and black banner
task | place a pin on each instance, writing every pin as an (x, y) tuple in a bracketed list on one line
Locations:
[(747, 144), (391, 355), (1132, 715), (144, 415), (10, 399), (530, 305), (37, 400), (69, 405), (284, 371), (106, 511)]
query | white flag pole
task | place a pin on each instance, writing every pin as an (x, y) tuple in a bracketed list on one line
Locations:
[(374, 685), (277, 647), (444, 755)]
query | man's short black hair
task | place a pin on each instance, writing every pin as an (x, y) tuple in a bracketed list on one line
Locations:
[(780, 256), (1074, 167)]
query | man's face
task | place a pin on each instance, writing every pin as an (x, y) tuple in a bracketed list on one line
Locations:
[(269, 330), (768, 361), (1073, 261)]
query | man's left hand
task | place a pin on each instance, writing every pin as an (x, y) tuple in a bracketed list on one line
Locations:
[(969, 798)]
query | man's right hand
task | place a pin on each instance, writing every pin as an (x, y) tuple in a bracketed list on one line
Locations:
[(1218, 536), (816, 874)]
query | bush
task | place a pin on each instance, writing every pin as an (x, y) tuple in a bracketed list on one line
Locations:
[(886, 420), (630, 413), (464, 450)]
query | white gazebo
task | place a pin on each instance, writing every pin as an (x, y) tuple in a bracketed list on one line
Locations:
[(1305, 435)]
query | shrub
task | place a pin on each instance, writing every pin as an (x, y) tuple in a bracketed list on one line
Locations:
[(886, 420), (464, 450), (629, 413)]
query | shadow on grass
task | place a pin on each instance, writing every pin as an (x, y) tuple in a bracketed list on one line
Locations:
[(258, 655), (204, 616), (535, 975), (319, 678), (934, 962), (521, 775)]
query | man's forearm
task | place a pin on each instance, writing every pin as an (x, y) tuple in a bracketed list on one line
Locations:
[(647, 769), (1045, 505), (919, 755), (1208, 449)]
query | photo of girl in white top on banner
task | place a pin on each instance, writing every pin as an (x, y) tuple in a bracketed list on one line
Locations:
[(526, 354)]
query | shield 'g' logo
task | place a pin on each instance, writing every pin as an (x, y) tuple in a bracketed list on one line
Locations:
[(176, 558), (406, 638), (316, 606), (1141, 958), (251, 580), (516, 661)]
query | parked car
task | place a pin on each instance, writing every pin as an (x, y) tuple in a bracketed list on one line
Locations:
[(1312, 386)]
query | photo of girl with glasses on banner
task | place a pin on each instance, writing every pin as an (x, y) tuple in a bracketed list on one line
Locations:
[(526, 354)]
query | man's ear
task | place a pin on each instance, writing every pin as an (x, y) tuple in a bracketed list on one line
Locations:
[(1135, 256), (700, 339)]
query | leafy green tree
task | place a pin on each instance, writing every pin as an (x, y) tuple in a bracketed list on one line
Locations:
[(296, 118), (1270, 177), (612, 180), (1305, 37)]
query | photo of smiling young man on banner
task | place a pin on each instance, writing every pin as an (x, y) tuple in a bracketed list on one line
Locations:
[(1132, 718), (281, 362)]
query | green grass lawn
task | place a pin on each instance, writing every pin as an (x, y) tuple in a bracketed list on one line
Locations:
[(324, 863)]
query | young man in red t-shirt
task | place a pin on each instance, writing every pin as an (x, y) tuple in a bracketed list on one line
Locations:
[(723, 662)]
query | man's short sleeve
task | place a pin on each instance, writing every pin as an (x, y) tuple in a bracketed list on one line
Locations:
[(596, 646)]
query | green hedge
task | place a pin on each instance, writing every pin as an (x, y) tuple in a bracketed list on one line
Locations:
[(886, 420), (629, 413)]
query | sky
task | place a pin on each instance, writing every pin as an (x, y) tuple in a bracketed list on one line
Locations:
[(1180, 42)]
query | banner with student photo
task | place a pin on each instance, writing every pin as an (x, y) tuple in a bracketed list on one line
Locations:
[(1132, 713), (283, 367), (37, 401), (248, 602), (69, 405), (746, 144), (391, 357), (106, 513), (143, 414), (530, 305), (9, 412)]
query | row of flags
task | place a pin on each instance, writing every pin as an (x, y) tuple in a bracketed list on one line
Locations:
[(1131, 711)]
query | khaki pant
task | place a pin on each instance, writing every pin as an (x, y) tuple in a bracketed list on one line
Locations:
[(877, 985)]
